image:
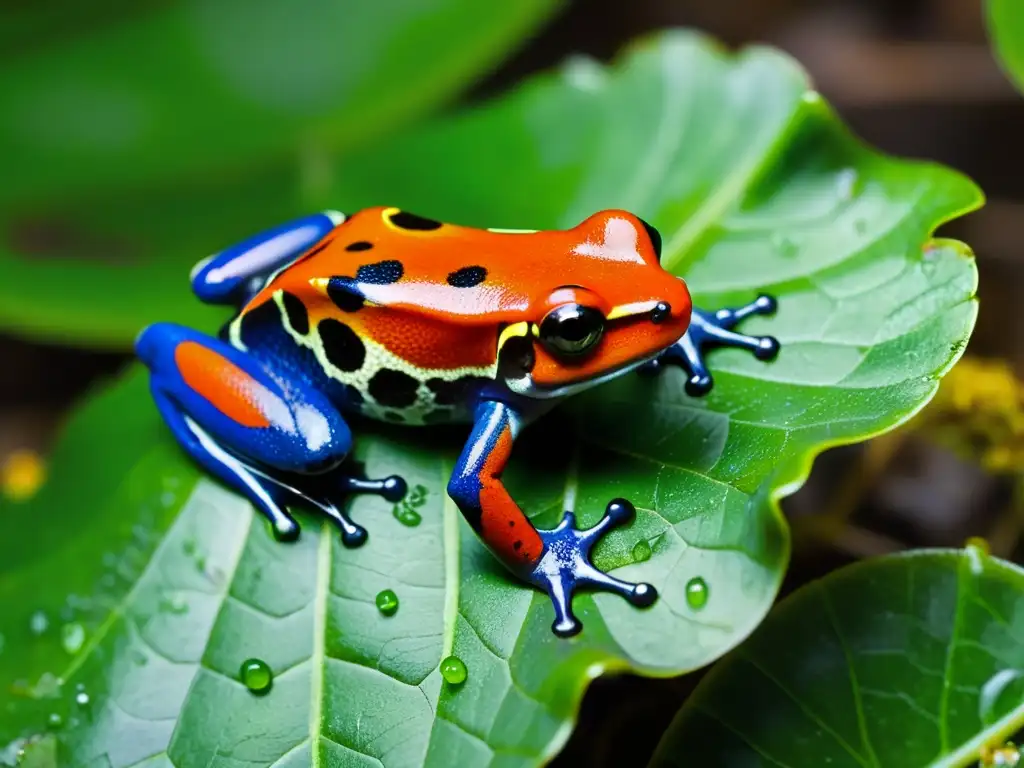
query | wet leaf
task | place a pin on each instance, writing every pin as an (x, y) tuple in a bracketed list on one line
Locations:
[(755, 186), (913, 659)]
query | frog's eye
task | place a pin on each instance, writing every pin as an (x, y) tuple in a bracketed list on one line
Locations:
[(571, 329), (655, 236)]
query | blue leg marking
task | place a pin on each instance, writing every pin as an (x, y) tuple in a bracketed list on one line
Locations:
[(715, 330), (557, 561), (288, 456), (236, 274)]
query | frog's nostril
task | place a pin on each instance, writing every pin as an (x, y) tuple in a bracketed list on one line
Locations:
[(661, 312)]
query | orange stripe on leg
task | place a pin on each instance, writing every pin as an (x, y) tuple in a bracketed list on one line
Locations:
[(227, 387), (507, 531)]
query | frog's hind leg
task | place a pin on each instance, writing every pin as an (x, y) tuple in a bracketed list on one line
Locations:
[(275, 441), (715, 329), (236, 274), (556, 560)]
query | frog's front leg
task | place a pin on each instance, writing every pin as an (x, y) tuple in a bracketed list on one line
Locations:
[(235, 274), (273, 439), (557, 560), (714, 329)]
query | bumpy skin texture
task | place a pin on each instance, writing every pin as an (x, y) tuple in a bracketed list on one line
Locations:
[(406, 319)]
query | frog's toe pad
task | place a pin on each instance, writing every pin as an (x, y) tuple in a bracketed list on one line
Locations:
[(285, 529), (565, 566), (643, 595), (767, 348), (394, 488)]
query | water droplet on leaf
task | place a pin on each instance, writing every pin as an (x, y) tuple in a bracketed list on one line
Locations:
[(453, 670), (406, 515), (1000, 694), (846, 184), (256, 675), (785, 245), (387, 602), (55, 720), (82, 699), (47, 687), (72, 637), (696, 593), (174, 604), (641, 551), (38, 623)]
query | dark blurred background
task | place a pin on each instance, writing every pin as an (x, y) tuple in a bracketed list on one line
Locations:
[(912, 77)]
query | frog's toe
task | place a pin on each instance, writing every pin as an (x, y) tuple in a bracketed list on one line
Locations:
[(353, 536), (767, 348), (394, 488), (285, 529), (699, 384), (565, 566)]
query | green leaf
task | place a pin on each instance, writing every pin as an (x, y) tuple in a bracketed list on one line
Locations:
[(911, 659), (1006, 28), (754, 185), (176, 90)]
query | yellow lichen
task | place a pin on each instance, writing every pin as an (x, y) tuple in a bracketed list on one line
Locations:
[(979, 412)]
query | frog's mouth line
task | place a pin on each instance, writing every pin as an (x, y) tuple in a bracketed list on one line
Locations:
[(527, 387)]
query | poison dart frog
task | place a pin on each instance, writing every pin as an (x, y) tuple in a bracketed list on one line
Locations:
[(401, 318)]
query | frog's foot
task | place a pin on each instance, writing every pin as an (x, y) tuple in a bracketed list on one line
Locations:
[(708, 330), (565, 566), (392, 488), (318, 492)]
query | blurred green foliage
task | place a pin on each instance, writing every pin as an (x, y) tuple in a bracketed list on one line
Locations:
[(1006, 27)]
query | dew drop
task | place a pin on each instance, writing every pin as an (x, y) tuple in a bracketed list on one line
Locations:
[(47, 687), (38, 623), (995, 698), (256, 675), (55, 720), (174, 604), (785, 245), (641, 551), (696, 593), (82, 699), (387, 602), (846, 184), (407, 516), (453, 670), (72, 637)]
